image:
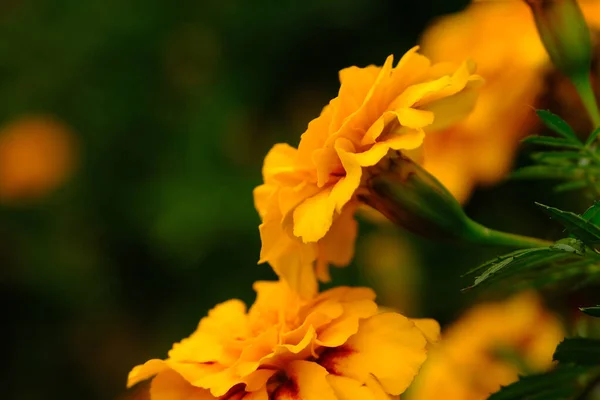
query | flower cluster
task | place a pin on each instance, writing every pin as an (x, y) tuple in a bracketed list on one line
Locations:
[(503, 339), (371, 146), (336, 345), (310, 194), (501, 38)]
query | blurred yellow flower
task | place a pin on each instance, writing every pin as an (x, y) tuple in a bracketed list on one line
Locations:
[(333, 346), (501, 37), (488, 347), (36, 155), (309, 195)]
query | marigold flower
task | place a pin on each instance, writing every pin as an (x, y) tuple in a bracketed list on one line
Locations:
[(488, 348), (37, 154), (501, 37), (309, 195), (333, 346)]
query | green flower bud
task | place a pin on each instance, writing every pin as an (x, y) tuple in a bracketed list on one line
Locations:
[(564, 33), (412, 198)]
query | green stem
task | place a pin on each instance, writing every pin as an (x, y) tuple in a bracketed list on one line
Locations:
[(478, 233), (584, 89)]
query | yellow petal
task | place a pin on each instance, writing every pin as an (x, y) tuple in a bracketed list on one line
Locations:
[(274, 239), (307, 381), (169, 385), (262, 198), (258, 379), (387, 346), (452, 109), (279, 160), (315, 135), (313, 218), (383, 340), (413, 118), (429, 327), (227, 319), (349, 389), (414, 93), (145, 371), (295, 266), (338, 332), (408, 140), (345, 188), (260, 394), (337, 247)]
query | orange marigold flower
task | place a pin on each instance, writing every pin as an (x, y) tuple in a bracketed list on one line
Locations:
[(488, 348), (334, 346), (501, 37), (309, 195), (37, 154)]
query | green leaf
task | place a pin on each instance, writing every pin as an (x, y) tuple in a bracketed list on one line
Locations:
[(592, 214), (570, 172), (524, 260), (558, 157), (585, 230), (593, 311), (559, 384), (573, 271), (558, 125), (580, 351), (592, 138), (551, 142), (572, 185)]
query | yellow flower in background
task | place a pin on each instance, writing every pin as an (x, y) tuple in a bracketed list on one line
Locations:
[(501, 37), (336, 345), (37, 154), (309, 196), (486, 348)]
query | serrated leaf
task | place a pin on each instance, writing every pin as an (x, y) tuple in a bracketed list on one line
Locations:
[(580, 351), (559, 384), (592, 138), (570, 172), (551, 142), (512, 255), (593, 311), (585, 230), (521, 261), (558, 125)]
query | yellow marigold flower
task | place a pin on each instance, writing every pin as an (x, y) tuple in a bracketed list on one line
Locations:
[(487, 348), (501, 37), (36, 155), (333, 346), (309, 195)]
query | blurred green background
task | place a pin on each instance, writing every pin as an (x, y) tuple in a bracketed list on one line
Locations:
[(173, 106)]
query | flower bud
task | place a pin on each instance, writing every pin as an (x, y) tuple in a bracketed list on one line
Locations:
[(564, 33), (412, 198)]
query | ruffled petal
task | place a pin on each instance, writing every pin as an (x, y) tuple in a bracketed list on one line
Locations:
[(169, 385)]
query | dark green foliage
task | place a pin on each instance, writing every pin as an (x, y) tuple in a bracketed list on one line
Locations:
[(559, 384), (580, 351), (593, 311), (571, 160)]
